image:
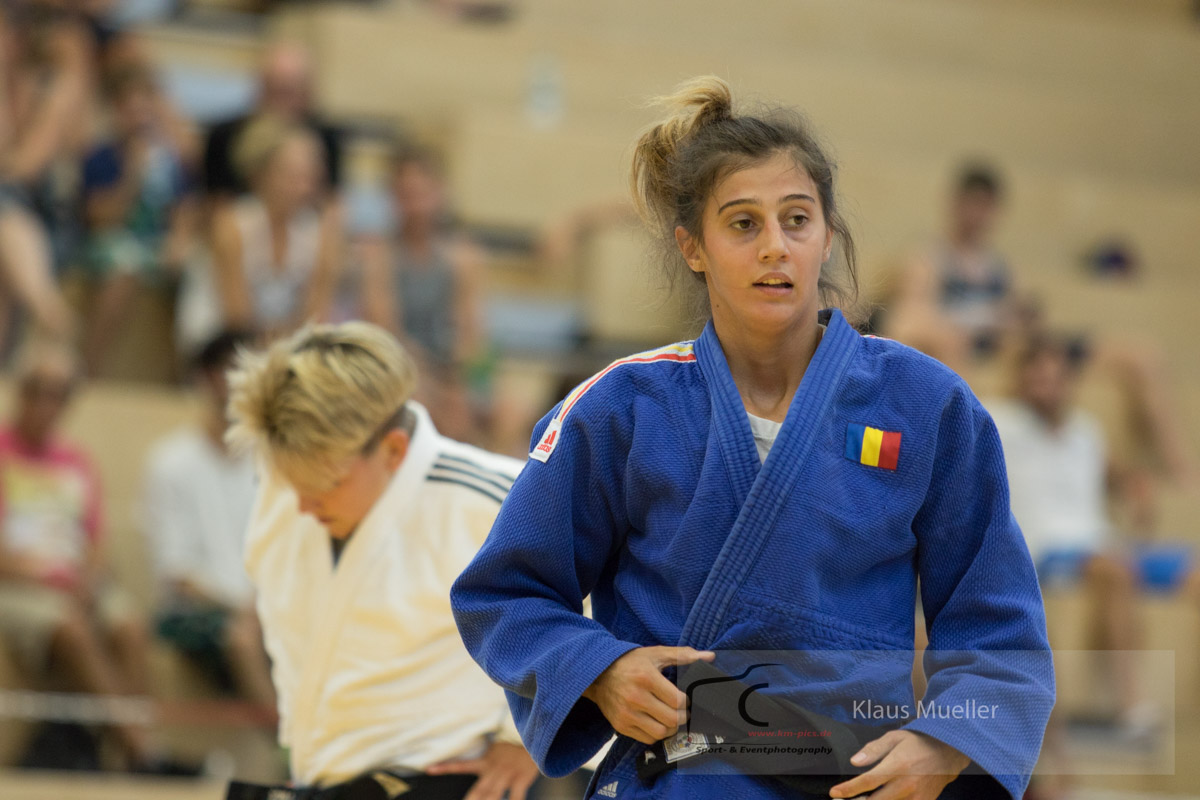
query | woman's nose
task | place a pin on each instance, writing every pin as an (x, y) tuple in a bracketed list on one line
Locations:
[(773, 244), (309, 505)]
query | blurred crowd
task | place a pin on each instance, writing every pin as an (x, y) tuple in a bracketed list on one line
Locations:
[(1090, 516), (107, 190)]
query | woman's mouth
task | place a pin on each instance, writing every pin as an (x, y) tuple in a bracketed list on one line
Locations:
[(773, 286)]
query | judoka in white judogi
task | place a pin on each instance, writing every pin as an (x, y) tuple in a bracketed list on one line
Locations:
[(367, 661)]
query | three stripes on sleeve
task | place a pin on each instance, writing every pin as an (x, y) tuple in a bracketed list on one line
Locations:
[(465, 472)]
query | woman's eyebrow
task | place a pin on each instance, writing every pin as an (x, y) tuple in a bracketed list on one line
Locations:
[(741, 200), (754, 201)]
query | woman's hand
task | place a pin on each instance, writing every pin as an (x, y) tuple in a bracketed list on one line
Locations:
[(503, 768), (637, 699), (910, 765)]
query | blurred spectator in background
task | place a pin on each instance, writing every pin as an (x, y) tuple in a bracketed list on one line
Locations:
[(1060, 478), (46, 68), (140, 216), (1142, 374), (197, 505), (56, 605), (426, 286), (129, 52), (955, 300), (275, 256), (286, 78)]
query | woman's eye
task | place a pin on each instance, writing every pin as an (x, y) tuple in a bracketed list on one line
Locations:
[(797, 219), (743, 224)]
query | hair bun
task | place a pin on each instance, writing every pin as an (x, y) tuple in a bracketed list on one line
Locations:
[(699, 102)]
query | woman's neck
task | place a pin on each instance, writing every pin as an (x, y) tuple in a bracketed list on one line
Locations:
[(767, 364), (31, 438), (214, 428), (279, 214), (967, 242)]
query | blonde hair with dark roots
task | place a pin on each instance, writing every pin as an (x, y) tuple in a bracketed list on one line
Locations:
[(312, 401), (261, 139), (679, 161)]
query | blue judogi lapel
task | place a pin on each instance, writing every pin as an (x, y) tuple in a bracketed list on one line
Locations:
[(761, 491)]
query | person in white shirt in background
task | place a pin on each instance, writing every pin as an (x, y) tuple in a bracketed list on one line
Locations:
[(1060, 479), (197, 503), (365, 515)]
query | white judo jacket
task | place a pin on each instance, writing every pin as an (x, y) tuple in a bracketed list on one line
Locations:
[(366, 659)]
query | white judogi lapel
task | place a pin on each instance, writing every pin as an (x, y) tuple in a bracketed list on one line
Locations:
[(388, 517)]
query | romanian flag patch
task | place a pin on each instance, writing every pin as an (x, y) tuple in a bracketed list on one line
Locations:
[(872, 446)]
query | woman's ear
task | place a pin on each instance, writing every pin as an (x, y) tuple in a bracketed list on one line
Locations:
[(828, 244), (690, 248), (395, 447)]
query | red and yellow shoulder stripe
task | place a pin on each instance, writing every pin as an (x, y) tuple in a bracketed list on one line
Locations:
[(680, 352)]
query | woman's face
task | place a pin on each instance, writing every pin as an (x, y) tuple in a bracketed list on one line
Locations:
[(135, 110), (341, 506), (418, 194), (44, 396), (974, 213), (13, 45), (764, 239), (293, 176), (1046, 383)]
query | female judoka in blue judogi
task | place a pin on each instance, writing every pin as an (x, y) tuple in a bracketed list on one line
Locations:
[(779, 484)]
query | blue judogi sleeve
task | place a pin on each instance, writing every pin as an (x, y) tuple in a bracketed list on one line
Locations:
[(983, 608), (519, 605)]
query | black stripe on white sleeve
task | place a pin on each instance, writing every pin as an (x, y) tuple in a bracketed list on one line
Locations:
[(498, 482), (446, 460), (486, 492)]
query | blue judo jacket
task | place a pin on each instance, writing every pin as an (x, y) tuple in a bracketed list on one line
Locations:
[(644, 490)]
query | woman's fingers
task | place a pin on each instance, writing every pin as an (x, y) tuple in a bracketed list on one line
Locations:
[(666, 693), (874, 750), (657, 722), (910, 765), (660, 726), (873, 778), (901, 789), (472, 766), (876, 776), (637, 732), (677, 656), (664, 689), (638, 700)]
